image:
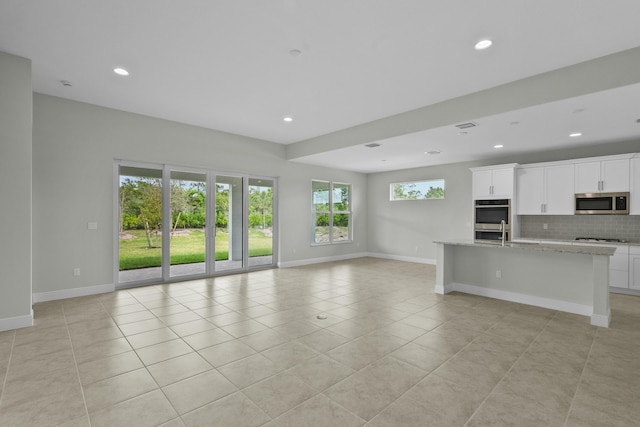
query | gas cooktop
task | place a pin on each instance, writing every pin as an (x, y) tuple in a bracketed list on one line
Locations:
[(599, 239)]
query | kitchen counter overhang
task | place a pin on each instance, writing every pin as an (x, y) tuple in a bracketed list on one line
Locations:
[(568, 278)]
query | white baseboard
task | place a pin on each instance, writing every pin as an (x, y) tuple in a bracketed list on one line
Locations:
[(310, 261), (601, 320), (624, 291), (16, 322), (72, 293), (402, 258), (553, 304)]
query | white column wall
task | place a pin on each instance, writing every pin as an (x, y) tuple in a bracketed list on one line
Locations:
[(15, 191)]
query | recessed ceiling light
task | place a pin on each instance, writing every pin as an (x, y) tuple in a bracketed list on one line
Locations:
[(66, 83), (434, 152), (483, 44), (288, 119), (120, 71), (295, 52), (498, 146), (575, 135)]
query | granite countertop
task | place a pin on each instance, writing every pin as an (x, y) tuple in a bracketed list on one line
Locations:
[(577, 242), (553, 247)]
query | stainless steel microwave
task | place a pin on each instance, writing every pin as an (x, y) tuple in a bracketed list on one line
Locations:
[(602, 204)]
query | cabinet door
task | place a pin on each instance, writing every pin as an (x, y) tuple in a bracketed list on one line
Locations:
[(482, 184), (559, 185), (615, 175), (502, 183), (587, 177), (634, 271), (530, 194), (635, 187)]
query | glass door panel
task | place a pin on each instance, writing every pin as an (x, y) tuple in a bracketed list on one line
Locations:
[(187, 239), (260, 222), (140, 224), (229, 229)]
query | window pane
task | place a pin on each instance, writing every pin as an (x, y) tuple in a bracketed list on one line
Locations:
[(340, 227), (417, 190), (188, 213), (260, 221), (321, 229), (341, 194), (140, 245), (320, 196)]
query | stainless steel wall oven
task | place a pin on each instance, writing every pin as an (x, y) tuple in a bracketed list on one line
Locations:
[(492, 218)]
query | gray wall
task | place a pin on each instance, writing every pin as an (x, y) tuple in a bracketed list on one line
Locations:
[(397, 228), (74, 147), (15, 191)]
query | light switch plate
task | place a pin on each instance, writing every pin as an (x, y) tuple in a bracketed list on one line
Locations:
[(92, 225)]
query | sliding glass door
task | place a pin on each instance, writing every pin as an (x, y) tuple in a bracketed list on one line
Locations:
[(179, 223), (140, 200), (260, 221), (229, 228), (188, 226)]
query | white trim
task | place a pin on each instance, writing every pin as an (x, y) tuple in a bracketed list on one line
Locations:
[(402, 258), (553, 304), (309, 261), (624, 291), (601, 319), (16, 322), (72, 293)]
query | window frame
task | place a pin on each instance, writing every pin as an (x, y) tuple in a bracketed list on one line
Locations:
[(417, 182), (330, 212)]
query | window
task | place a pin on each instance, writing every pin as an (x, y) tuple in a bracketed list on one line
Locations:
[(417, 190), (331, 208)]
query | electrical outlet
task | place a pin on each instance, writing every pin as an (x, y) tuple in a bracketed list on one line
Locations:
[(76, 271), (499, 274), (545, 226)]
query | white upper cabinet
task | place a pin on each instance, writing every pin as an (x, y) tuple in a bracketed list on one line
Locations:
[(545, 190), (635, 187), (559, 188), (495, 182), (530, 191), (606, 176)]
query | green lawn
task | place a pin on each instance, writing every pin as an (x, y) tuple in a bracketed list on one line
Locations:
[(185, 248)]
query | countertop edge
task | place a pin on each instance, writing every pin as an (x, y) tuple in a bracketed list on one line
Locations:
[(577, 249)]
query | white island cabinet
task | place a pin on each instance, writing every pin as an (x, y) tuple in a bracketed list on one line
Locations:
[(634, 267), (494, 182), (568, 278), (545, 190), (606, 176)]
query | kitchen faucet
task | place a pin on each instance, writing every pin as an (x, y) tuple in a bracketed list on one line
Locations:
[(503, 228)]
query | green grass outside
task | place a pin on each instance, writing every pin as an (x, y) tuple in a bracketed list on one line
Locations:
[(185, 249)]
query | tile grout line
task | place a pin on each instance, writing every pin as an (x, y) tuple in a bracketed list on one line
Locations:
[(75, 363), (509, 370), (584, 368), (6, 375)]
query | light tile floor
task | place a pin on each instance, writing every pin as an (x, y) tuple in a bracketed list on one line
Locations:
[(248, 350)]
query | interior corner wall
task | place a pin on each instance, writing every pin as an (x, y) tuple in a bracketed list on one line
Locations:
[(407, 229), (74, 148), (15, 191)]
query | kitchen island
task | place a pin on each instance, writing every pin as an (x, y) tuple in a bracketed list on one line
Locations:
[(568, 278)]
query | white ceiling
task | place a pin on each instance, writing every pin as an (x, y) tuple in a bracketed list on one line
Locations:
[(226, 65)]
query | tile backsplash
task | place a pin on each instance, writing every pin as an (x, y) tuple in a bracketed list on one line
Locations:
[(568, 227)]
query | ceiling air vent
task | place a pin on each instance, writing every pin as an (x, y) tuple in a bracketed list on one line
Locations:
[(466, 125), (372, 145)]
